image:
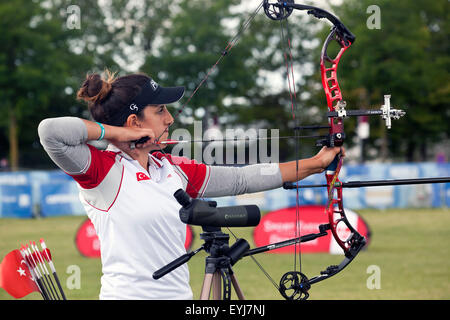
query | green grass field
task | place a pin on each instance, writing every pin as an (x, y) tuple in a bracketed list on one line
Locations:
[(409, 246)]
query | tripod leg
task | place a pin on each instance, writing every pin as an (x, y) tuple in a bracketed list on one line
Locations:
[(206, 288), (236, 287), (217, 286)]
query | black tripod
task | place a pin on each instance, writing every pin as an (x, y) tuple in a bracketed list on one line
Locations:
[(218, 264)]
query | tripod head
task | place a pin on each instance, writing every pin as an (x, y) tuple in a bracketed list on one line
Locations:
[(216, 244)]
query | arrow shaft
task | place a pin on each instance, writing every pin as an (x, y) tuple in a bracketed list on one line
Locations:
[(170, 141)]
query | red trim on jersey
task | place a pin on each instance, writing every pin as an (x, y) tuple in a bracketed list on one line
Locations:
[(115, 198), (101, 163), (156, 161), (195, 172)]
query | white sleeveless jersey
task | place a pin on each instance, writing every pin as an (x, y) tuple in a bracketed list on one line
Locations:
[(137, 221)]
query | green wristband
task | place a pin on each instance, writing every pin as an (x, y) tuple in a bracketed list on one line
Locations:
[(102, 134)]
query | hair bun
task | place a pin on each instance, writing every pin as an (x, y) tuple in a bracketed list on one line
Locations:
[(95, 89)]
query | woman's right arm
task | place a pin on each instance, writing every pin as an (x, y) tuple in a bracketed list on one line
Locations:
[(64, 139)]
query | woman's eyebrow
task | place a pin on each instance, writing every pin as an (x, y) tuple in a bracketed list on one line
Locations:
[(156, 105)]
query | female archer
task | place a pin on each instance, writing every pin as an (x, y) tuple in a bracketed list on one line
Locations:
[(127, 190)]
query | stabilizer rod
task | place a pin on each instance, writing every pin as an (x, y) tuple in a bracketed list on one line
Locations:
[(372, 183)]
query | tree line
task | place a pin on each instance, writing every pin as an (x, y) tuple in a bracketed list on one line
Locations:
[(47, 48)]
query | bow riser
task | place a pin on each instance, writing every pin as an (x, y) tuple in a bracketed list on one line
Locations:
[(335, 205), (329, 75), (332, 89)]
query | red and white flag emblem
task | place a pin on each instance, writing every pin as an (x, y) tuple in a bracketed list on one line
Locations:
[(141, 176), (15, 276)]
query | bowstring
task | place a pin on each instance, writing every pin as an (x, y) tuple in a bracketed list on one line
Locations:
[(231, 43), (286, 40)]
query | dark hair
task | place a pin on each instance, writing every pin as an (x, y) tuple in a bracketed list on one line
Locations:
[(107, 96)]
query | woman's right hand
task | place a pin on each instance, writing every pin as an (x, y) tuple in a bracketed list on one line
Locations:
[(131, 134), (123, 134), (120, 135)]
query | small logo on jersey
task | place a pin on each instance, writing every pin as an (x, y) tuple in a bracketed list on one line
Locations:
[(169, 176), (141, 176)]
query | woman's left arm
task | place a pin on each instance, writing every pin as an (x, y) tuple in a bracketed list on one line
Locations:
[(309, 166), (229, 181)]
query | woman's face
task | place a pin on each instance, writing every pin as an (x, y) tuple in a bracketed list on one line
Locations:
[(159, 119)]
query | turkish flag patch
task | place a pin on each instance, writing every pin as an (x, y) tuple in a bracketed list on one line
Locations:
[(141, 176)]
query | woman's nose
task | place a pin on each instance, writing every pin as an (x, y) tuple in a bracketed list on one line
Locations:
[(169, 119)]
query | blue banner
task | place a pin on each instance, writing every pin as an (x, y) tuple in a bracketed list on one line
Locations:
[(51, 193), (60, 198), (16, 201)]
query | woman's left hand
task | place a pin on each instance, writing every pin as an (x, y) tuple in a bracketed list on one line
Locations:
[(326, 155)]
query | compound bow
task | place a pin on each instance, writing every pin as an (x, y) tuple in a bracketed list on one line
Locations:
[(294, 285)]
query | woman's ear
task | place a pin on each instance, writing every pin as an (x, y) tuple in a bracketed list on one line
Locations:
[(133, 121)]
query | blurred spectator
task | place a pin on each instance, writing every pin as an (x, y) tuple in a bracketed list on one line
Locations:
[(4, 164), (440, 157)]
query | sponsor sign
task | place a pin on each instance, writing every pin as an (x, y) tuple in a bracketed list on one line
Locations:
[(88, 244), (280, 225), (86, 240)]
